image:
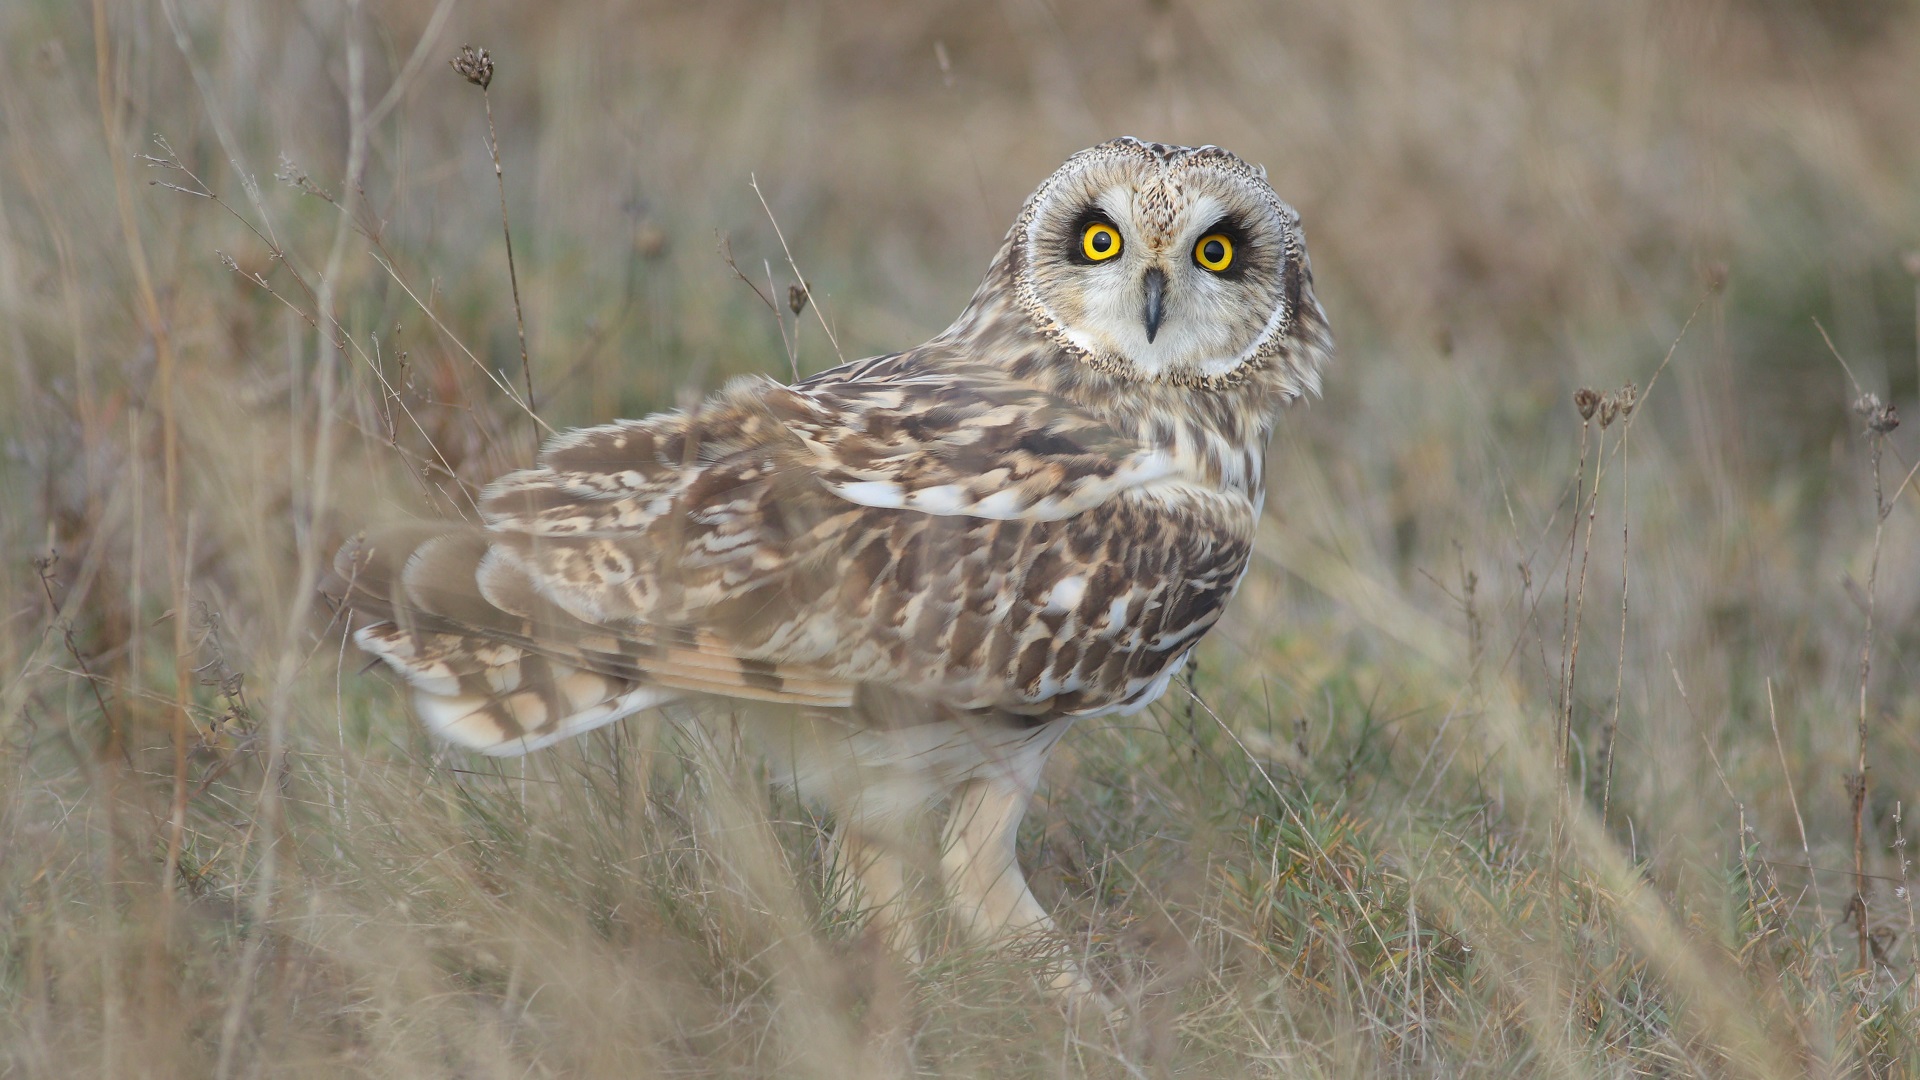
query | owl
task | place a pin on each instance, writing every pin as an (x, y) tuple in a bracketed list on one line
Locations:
[(905, 577)]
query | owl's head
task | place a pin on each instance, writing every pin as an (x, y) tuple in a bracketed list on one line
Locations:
[(1173, 264)]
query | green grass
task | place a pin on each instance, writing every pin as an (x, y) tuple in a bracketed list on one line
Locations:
[(1388, 831)]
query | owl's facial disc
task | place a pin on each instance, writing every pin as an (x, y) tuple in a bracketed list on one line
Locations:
[(1160, 265)]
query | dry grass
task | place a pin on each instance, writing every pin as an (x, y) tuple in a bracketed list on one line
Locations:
[(1529, 748)]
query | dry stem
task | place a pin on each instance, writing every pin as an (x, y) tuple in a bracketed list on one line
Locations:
[(1858, 785), (477, 68), (1620, 661), (1880, 419), (111, 106), (819, 311)]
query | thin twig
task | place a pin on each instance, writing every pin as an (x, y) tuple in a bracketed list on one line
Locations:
[(725, 246), (1859, 783), (461, 345), (1664, 361), (1585, 401), (331, 346), (1793, 800), (1565, 705), (1904, 890), (1824, 870), (116, 735), (1844, 366), (416, 62), (1620, 661), (476, 66), (111, 112), (1580, 594), (1881, 419), (513, 274), (1749, 878), (791, 343), (819, 311), (341, 341)]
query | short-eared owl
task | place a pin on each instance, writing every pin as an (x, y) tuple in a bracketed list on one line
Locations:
[(925, 564)]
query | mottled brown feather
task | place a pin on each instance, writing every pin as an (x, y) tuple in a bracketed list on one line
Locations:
[(995, 522)]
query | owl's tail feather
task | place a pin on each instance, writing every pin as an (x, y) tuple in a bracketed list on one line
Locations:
[(500, 699), (463, 650)]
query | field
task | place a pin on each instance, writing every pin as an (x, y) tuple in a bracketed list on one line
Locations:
[(1551, 734)]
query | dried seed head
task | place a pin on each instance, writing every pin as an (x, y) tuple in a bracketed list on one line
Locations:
[(473, 65), (1609, 408), (797, 298), (1716, 276), (1628, 396), (1879, 415), (1586, 400)]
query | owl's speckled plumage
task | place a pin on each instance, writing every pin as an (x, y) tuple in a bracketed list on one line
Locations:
[(943, 555)]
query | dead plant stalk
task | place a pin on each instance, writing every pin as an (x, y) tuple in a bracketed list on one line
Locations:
[(1862, 928), (112, 113), (476, 66), (1880, 419)]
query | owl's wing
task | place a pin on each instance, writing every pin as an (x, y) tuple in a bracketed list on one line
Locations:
[(951, 439), (791, 544)]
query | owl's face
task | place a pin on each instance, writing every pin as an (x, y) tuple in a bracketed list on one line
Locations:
[(1163, 263)]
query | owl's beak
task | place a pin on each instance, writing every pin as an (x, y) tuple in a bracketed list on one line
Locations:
[(1156, 291)]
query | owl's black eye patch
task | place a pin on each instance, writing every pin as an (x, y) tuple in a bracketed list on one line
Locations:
[(1092, 238), (1244, 252)]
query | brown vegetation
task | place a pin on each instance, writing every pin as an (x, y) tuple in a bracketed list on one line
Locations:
[(1552, 734)]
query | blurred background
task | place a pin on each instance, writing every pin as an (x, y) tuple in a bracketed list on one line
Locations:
[(1531, 744)]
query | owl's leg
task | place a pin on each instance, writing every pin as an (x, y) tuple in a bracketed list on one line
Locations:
[(990, 894), (870, 876)]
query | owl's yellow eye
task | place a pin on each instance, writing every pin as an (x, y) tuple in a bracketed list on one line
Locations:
[(1100, 242), (1214, 251)]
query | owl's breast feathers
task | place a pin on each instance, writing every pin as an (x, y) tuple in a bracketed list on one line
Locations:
[(942, 529)]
